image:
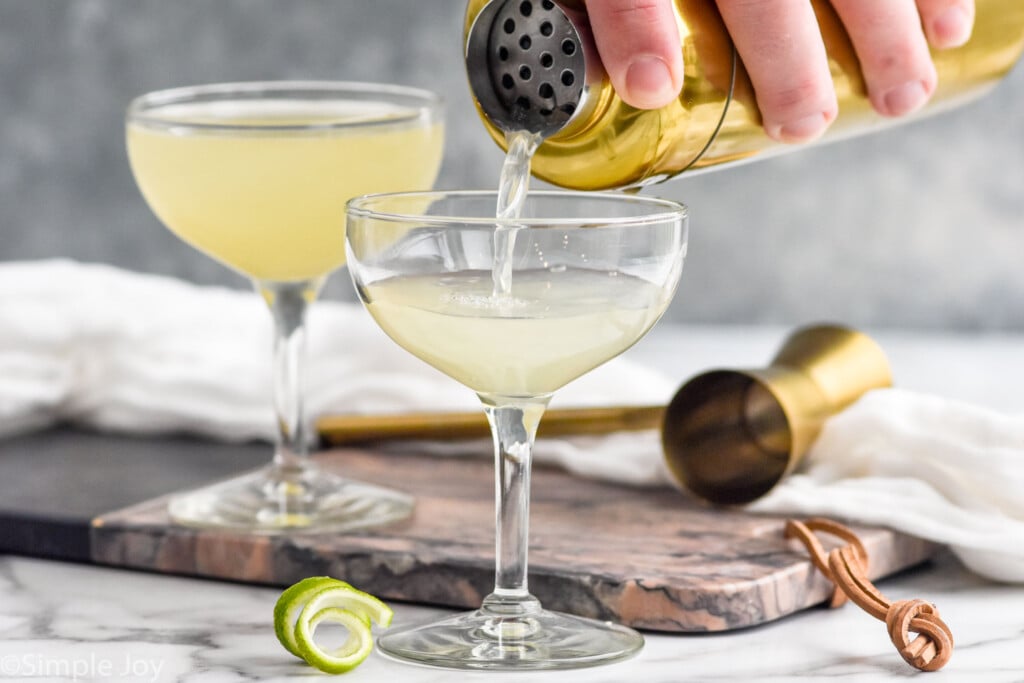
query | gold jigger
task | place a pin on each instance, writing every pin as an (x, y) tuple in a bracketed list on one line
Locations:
[(730, 435)]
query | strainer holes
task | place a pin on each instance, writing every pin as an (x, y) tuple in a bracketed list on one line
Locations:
[(547, 4), (508, 82), (522, 102), (545, 90), (568, 46), (546, 112), (525, 8), (568, 108), (510, 25), (568, 78), (525, 73), (525, 42), (546, 60), (546, 29), (503, 53)]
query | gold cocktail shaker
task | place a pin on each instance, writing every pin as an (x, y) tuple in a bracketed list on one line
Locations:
[(532, 64)]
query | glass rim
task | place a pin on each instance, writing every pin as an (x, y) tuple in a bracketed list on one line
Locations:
[(361, 207), (138, 107)]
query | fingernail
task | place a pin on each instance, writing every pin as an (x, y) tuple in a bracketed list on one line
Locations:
[(951, 28), (801, 130), (905, 98), (649, 83)]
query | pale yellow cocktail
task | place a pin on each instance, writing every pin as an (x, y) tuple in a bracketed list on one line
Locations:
[(263, 189)]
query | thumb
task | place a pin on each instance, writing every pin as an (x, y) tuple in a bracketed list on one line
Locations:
[(639, 44)]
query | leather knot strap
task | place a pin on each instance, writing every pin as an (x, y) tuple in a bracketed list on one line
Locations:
[(847, 567), (804, 532), (933, 645)]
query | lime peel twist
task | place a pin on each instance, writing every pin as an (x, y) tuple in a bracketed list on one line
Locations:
[(319, 599)]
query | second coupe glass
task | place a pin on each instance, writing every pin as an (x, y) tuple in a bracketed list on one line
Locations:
[(256, 175)]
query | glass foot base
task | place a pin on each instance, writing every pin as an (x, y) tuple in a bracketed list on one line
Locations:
[(265, 502), (538, 640)]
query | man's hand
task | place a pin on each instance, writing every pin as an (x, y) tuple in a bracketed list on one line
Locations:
[(784, 55)]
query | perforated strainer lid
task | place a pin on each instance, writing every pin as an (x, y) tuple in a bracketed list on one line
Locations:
[(527, 65)]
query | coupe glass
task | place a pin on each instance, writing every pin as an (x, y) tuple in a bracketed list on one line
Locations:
[(256, 175), (590, 275)]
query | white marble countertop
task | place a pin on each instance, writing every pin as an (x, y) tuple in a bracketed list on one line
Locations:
[(72, 622)]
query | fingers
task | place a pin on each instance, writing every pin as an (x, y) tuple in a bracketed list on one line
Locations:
[(782, 50), (947, 23), (893, 52), (639, 45)]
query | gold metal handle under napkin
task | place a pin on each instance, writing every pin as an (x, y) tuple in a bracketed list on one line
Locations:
[(339, 430)]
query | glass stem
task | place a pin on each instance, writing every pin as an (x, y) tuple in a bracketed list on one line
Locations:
[(288, 303), (514, 426)]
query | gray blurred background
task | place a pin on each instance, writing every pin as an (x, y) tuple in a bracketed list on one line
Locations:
[(921, 226)]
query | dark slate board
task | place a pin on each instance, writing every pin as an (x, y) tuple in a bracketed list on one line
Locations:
[(52, 484)]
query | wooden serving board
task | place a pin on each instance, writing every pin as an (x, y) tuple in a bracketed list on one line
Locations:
[(652, 559)]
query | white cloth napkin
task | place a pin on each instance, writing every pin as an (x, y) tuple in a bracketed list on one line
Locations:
[(929, 466), (114, 350)]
